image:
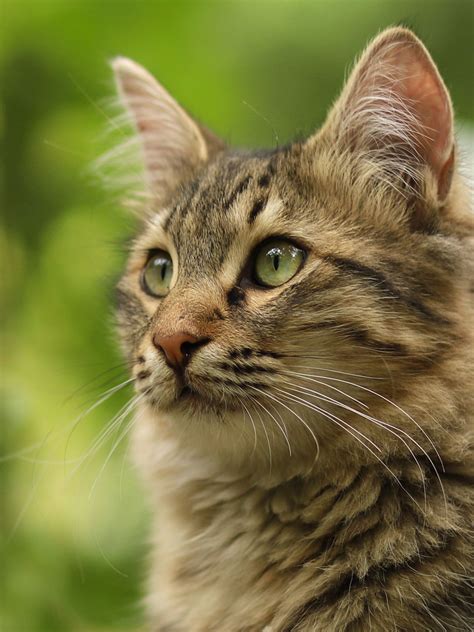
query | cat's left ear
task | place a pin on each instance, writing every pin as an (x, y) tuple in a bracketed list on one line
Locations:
[(395, 109), (174, 145)]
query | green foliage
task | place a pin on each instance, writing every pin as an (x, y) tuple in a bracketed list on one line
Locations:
[(257, 73)]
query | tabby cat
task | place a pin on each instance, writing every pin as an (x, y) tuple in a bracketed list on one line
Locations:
[(298, 323)]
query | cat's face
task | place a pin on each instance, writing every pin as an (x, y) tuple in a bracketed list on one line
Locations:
[(265, 290)]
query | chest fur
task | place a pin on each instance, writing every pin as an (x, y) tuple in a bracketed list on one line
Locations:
[(229, 557)]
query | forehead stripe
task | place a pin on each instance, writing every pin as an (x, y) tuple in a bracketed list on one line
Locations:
[(239, 189), (184, 206), (257, 208)]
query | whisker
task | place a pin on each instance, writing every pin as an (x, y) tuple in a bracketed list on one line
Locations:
[(253, 425), (117, 367), (107, 559), (389, 427), (285, 435), (266, 435), (90, 396), (364, 388), (20, 454), (319, 368), (331, 416), (129, 408), (425, 434), (379, 422), (106, 432), (105, 396), (349, 428), (333, 388), (37, 447), (293, 413)]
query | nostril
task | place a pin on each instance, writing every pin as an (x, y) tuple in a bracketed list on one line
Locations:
[(188, 347), (178, 347)]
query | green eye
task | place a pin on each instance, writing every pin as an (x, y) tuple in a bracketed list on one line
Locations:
[(157, 273), (276, 262)]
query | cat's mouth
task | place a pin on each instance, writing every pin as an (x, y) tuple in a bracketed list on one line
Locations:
[(189, 396), (194, 399)]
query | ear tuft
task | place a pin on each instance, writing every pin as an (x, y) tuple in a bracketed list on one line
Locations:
[(396, 107), (174, 146)]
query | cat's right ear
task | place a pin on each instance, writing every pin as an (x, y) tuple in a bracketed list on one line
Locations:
[(174, 145), (396, 111)]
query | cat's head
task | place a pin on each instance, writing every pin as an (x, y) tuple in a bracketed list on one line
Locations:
[(269, 294)]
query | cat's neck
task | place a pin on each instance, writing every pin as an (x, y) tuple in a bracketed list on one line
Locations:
[(345, 520), (185, 477)]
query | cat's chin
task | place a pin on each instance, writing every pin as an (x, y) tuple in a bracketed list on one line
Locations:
[(189, 401)]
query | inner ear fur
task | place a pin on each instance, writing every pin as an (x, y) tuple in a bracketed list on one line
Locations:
[(174, 145), (395, 110)]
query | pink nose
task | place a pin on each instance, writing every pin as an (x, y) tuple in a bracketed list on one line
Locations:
[(178, 348)]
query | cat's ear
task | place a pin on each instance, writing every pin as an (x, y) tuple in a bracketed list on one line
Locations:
[(396, 108), (174, 145)]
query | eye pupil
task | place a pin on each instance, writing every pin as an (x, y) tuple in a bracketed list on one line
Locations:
[(276, 262), (157, 273)]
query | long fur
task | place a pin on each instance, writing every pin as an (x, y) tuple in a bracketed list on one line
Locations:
[(320, 475)]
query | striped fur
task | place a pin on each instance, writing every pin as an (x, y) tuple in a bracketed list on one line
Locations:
[(318, 473)]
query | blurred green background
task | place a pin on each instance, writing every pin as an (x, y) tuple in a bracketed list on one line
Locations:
[(74, 531)]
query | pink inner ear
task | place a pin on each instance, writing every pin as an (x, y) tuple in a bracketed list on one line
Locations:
[(396, 108), (428, 98), (406, 69)]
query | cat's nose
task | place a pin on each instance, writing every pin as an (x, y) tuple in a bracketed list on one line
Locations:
[(178, 348)]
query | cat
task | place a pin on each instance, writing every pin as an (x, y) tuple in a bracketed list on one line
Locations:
[(298, 324)]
